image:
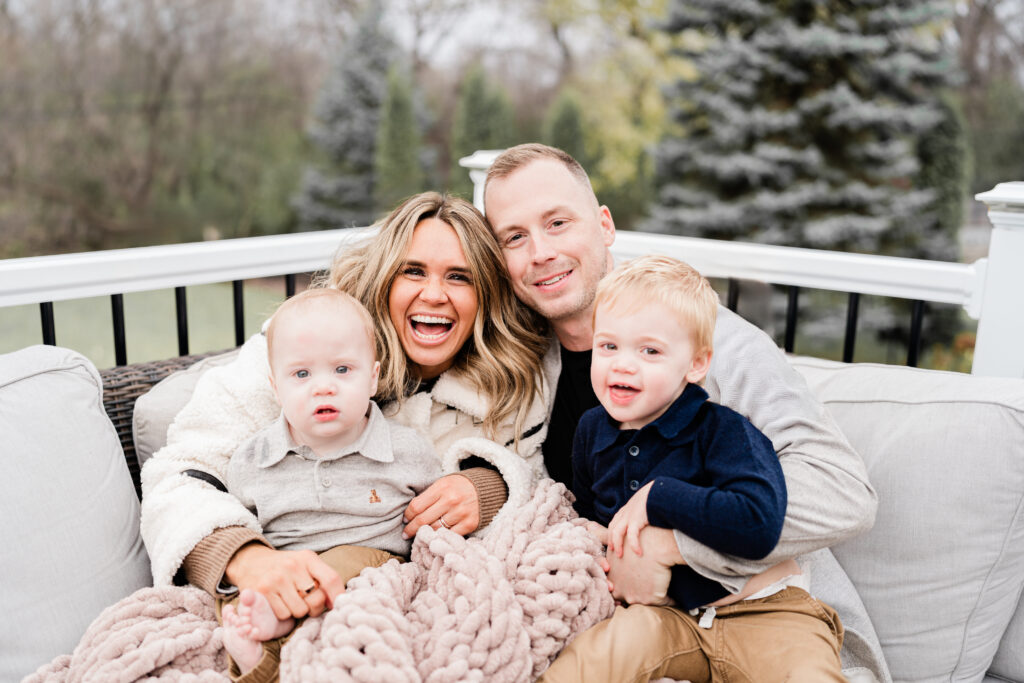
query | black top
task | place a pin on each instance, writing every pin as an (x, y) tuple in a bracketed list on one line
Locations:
[(574, 396)]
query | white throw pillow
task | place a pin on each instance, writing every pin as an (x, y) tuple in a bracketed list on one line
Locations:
[(943, 568), (70, 532)]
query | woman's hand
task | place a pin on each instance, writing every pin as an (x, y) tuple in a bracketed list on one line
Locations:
[(296, 583), (451, 501)]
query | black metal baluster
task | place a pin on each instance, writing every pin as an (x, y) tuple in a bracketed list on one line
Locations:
[(852, 304), (916, 316), (733, 295), (46, 317), (289, 285), (117, 313), (791, 310), (236, 287), (181, 307)]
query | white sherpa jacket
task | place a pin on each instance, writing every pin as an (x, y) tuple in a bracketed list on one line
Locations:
[(233, 401)]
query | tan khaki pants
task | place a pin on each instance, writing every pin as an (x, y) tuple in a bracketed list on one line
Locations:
[(348, 561), (788, 636)]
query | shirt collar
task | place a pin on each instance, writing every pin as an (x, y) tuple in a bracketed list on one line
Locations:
[(374, 443), (674, 420)]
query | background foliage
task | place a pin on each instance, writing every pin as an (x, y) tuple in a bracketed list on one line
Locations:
[(136, 122)]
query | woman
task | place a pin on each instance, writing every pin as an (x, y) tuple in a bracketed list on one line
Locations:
[(461, 361)]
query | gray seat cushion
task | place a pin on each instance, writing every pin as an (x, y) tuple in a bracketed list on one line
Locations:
[(70, 532), (942, 570)]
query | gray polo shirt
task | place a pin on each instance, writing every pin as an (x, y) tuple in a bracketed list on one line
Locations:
[(354, 496)]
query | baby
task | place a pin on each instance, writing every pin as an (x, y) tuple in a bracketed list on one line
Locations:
[(331, 474)]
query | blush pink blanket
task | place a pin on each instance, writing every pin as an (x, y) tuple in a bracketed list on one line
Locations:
[(497, 608)]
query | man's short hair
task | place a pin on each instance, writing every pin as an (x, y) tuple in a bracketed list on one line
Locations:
[(322, 295), (514, 158), (669, 281)]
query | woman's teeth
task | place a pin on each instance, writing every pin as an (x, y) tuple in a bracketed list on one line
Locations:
[(431, 327)]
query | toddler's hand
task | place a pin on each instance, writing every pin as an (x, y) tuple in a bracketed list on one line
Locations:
[(628, 521), (598, 531)]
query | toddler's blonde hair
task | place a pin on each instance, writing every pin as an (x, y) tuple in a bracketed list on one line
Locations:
[(669, 281)]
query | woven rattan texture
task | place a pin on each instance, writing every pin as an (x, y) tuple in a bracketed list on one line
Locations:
[(123, 384)]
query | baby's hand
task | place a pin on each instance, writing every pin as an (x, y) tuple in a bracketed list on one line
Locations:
[(628, 521)]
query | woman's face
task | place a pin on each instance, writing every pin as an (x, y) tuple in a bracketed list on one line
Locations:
[(432, 302)]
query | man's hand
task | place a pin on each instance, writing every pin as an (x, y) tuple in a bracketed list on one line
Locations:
[(628, 522), (283, 576), (452, 498), (643, 579)]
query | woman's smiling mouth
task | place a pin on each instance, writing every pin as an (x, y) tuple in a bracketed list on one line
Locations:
[(431, 328)]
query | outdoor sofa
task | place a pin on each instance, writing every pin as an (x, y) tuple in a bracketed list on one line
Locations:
[(941, 573)]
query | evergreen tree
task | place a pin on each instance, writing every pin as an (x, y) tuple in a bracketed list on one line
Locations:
[(483, 120), (801, 127), (340, 193), (563, 127), (398, 163)]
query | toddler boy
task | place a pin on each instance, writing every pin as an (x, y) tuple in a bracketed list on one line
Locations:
[(331, 474), (657, 451)]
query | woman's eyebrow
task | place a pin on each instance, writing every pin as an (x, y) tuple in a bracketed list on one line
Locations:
[(421, 264)]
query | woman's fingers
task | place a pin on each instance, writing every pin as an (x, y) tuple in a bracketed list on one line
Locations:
[(452, 497), (330, 586), (414, 516), (284, 576)]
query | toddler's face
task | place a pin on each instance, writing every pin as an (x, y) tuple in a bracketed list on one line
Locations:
[(643, 359), (324, 375)]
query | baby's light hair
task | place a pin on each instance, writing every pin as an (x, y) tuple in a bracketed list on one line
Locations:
[(669, 281), (327, 296)]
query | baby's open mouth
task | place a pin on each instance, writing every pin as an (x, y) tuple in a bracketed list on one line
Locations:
[(325, 413), (622, 392), (431, 327)]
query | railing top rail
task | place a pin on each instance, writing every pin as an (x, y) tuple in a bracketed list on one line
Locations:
[(118, 271), (71, 276), (905, 278)]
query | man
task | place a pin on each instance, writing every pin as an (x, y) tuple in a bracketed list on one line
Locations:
[(556, 239)]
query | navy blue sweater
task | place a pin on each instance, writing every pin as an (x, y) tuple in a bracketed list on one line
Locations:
[(716, 479)]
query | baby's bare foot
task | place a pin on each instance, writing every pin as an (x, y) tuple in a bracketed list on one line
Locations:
[(246, 627)]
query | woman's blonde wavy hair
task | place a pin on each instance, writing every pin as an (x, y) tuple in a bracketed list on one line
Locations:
[(503, 355)]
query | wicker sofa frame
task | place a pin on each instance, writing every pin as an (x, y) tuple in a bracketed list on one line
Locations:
[(122, 385)]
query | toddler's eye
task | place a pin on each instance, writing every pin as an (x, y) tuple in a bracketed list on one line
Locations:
[(647, 350), (607, 346), (341, 369), (302, 374)]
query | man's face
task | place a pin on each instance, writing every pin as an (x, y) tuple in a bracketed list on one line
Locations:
[(554, 236)]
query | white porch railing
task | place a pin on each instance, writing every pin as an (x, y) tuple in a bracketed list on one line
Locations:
[(988, 289)]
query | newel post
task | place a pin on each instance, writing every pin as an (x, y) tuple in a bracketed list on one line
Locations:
[(999, 350), (478, 162)]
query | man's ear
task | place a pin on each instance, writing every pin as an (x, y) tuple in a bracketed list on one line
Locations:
[(607, 225), (699, 366)]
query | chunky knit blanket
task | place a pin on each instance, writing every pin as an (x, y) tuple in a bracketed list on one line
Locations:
[(495, 608)]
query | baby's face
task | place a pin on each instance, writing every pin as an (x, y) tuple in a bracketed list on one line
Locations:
[(643, 359), (324, 374)]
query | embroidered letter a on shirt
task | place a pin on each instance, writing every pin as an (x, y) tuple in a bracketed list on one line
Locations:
[(374, 498)]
